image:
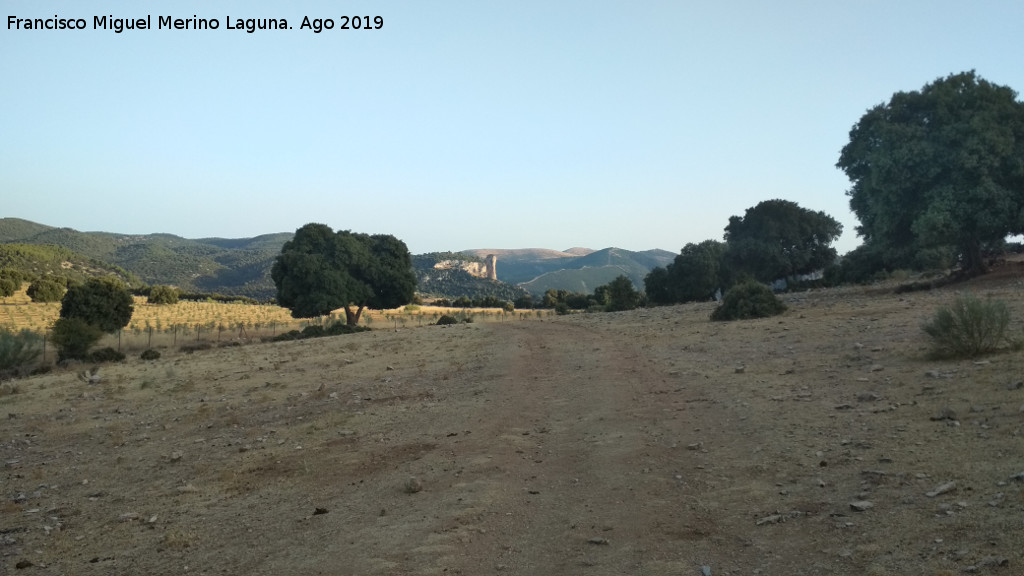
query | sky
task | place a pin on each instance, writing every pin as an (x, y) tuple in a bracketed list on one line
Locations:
[(460, 125)]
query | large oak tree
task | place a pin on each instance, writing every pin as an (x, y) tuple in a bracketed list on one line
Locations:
[(939, 167), (779, 239), (319, 271)]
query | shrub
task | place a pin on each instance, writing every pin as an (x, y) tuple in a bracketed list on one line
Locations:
[(46, 290), (163, 295), (338, 328), (286, 336), (150, 355), (107, 354), (10, 281), (18, 350), (446, 319), (968, 327), (313, 331), (195, 346), (73, 338), (749, 299), (103, 302)]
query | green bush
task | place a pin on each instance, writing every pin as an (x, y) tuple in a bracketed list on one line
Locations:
[(18, 350), (46, 289), (339, 328), (446, 319), (313, 331), (73, 338), (8, 287), (163, 295), (749, 299), (150, 355), (10, 281), (103, 302), (107, 354), (968, 327)]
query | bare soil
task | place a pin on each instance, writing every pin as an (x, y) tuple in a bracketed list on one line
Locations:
[(645, 442)]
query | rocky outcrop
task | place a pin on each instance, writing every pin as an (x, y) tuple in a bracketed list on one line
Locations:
[(486, 269)]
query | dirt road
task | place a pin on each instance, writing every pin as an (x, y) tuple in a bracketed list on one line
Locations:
[(647, 442)]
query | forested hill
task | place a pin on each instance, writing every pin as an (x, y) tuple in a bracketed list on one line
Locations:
[(49, 260), (239, 267)]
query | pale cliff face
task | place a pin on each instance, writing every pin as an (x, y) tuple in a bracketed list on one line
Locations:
[(485, 269)]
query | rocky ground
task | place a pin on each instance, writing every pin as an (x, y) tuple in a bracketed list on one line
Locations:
[(823, 441)]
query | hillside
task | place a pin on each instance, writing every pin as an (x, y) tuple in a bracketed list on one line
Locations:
[(231, 266), (48, 260), (455, 282), (576, 269), (241, 266)]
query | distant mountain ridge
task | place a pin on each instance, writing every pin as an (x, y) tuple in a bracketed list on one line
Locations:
[(577, 269), (241, 266)]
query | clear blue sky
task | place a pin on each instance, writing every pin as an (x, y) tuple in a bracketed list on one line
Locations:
[(466, 124)]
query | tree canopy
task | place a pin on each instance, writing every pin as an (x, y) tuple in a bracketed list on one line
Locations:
[(319, 271), (46, 289), (779, 239), (695, 274), (937, 168), (101, 302), (619, 294), (163, 295)]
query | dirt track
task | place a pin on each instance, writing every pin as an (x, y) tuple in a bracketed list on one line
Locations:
[(647, 442)]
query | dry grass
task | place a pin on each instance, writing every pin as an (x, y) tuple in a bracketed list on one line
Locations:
[(166, 326), (528, 441)]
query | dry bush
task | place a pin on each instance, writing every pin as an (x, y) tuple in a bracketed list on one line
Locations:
[(969, 327)]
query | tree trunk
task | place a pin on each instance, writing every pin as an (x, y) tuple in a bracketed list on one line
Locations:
[(973, 262), (352, 318)]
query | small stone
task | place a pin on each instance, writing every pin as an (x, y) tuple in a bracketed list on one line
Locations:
[(413, 485), (696, 446), (876, 368), (942, 489), (741, 369), (390, 368), (861, 505), (319, 511), (1018, 477), (598, 541), (946, 413), (705, 571), (868, 397), (22, 564), (1016, 385)]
